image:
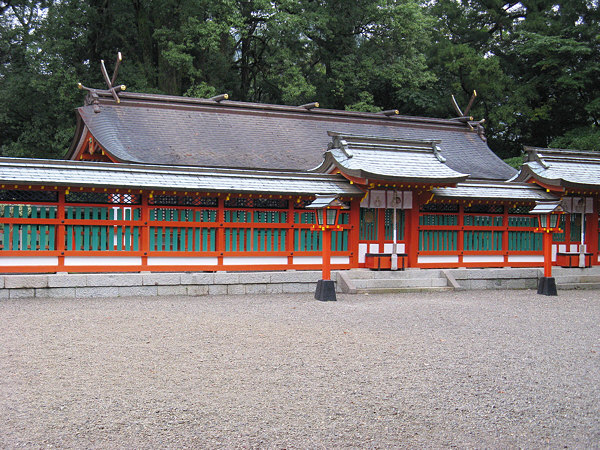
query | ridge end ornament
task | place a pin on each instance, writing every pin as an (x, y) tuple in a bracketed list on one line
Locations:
[(466, 118), (92, 98)]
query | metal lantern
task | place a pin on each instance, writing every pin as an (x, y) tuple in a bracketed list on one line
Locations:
[(327, 214), (327, 210), (548, 213)]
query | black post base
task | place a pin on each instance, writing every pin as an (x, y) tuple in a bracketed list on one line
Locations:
[(547, 286), (325, 291)]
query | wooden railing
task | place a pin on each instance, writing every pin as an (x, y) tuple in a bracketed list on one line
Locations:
[(135, 235), (491, 237)]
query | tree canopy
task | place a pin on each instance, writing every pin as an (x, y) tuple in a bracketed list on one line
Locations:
[(534, 63)]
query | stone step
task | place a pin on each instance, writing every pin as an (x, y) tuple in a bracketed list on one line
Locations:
[(392, 290), (571, 286), (494, 274), (563, 279), (366, 274), (400, 283), (563, 271)]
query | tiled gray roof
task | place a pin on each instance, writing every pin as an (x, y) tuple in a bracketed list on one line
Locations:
[(92, 174), (480, 190), (389, 159), (156, 129), (562, 167)]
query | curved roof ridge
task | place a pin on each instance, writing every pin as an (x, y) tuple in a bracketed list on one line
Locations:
[(166, 100), (564, 154)]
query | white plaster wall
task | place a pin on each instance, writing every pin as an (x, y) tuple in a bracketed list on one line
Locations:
[(181, 261), (438, 259), (256, 260), (307, 260), (483, 258), (362, 251), (9, 261), (526, 258), (103, 260), (340, 260)]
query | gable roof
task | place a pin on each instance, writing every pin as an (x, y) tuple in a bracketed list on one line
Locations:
[(563, 168), (159, 129), (374, 157)]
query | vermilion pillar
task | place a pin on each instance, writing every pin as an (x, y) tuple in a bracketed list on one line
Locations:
[(326, 254), (547, 245)]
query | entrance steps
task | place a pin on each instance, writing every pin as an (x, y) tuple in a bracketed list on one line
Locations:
[(575, 278), (360, 281)]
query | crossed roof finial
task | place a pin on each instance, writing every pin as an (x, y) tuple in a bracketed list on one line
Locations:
[(464, 116), (114, 90), (467, 109)]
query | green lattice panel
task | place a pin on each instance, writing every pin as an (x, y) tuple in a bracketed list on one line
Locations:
[(389, 225), (304, 217), (575, 227), (522, 221), (438, 241), (94, 237), (270, 216), (32, 237), (524, 241), (560, 237), (307, 240), (369, 219), (482, 241), (483, 221), (438, 219)]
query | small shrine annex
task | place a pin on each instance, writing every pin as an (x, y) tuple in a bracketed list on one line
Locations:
[(163, 183)]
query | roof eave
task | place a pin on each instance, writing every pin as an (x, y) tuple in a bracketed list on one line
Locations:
[(359, 173), (558, 182)]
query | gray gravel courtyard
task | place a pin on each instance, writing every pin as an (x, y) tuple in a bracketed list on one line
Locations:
[(467, 369)]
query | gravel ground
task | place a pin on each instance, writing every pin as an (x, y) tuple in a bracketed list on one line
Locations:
[(469, 369)]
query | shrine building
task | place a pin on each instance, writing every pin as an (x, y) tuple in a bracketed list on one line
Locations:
[(164, 183)]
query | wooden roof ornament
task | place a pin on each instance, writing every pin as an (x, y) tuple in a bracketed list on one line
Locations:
[(310, 106), (466, 118), (93, 98), (219, 98)]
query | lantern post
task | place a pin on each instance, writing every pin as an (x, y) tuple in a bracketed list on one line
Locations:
[(327, 212), (548, 214)]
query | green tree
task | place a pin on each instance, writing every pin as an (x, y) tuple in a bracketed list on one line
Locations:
[(535, 65)]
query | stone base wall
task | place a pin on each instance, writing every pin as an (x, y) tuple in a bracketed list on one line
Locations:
[(64, 285)]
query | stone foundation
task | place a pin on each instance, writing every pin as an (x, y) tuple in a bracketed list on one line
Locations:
[(65, 285)]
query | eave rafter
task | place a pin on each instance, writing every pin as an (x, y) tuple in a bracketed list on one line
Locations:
[(557, 189)]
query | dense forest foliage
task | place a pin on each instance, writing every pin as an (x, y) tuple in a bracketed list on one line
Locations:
[(534, 63)]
